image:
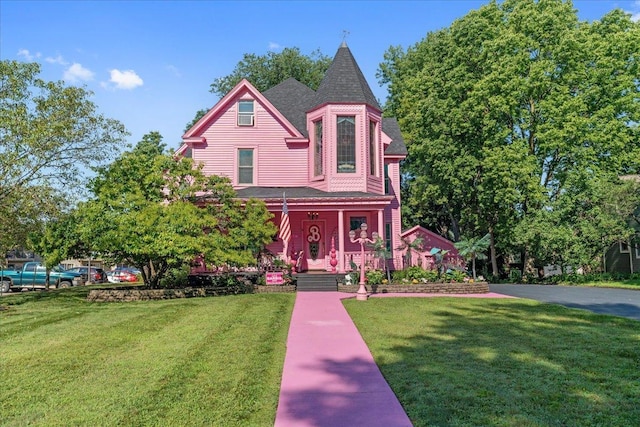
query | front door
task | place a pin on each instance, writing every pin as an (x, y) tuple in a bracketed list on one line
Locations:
[(314, 245)]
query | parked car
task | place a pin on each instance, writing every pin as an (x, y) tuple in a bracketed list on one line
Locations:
[(98, 275), (34, 275), (120, 275)]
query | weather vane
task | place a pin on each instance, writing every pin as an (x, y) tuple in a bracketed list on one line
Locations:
[(345, 33)]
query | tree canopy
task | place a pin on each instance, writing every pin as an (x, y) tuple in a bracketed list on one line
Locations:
[(266, 71), (519, 120), (50, 136), (156, 212)]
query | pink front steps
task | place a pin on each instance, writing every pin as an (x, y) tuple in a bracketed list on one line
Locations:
[(329, 376), (317, 282)]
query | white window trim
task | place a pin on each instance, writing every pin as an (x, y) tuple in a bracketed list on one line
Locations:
[(254, 179), (244, 115), (623, 251), (375, 172)]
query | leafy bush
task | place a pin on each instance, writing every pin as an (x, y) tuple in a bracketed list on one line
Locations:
[(515, 276), (415, 273), (374, 277), (456, 275), (397, 276), (234, 283), (355, 277), (176, 278), (421, 275)]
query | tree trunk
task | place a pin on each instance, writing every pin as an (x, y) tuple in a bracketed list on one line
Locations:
[(492, 249), (455, 229)]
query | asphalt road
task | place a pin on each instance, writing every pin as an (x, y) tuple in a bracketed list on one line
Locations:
[(616, 302)]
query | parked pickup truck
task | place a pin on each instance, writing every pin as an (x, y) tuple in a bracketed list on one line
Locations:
[(34, 276)]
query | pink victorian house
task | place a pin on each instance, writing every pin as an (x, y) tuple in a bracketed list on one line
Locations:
[(329, 153)]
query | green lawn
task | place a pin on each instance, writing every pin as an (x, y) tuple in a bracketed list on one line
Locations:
[(199, 361), (507, 362), (633, 284), (218, 361)]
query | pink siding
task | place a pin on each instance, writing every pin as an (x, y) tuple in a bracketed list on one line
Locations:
[(272, 157), (432, 240), (278, 163), (394, 209)]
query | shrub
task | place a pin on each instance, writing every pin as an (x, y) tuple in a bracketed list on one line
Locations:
[(355, 277), (397, 276), (456, 275), (176, 278), (414, 274), (374, 277), (421, 275), (515, 276)]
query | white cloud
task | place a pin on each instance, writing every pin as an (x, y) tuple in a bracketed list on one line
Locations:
[(57, 60), (635, 12), (274, 46), (28, 55), (77, 72), (127, 79)]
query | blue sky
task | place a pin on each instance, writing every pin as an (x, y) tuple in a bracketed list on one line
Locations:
[(150, 63)]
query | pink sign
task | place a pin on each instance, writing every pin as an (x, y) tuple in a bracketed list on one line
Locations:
[(274, 278)]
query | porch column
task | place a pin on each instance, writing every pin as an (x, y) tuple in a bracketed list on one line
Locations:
[(341, 241), (381, 224)]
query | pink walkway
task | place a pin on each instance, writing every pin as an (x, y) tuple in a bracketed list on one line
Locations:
[(329, 376)]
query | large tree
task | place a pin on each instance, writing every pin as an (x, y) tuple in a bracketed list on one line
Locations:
[(50, 136), (516, 112), (156, 212), (266, 71)]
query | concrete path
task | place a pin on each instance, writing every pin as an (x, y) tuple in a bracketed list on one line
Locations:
[(329, 376)]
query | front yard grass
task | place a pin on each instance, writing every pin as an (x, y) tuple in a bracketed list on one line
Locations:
[(507, 362), (620, 284), (198, 361)]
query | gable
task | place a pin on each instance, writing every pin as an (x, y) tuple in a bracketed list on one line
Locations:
[(429, 239), (243, 90)]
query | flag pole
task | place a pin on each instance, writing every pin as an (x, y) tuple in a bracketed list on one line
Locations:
[(285, 228)]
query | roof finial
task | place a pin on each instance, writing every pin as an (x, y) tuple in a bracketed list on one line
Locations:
[(345, 34)]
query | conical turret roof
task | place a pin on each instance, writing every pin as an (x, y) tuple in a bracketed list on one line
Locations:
[(344, 83)]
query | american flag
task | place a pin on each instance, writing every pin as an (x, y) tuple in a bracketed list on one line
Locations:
[(285, 227)]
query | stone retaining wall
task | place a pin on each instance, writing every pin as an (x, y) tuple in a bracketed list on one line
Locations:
[(116, 295), (270, 289), (428, 288)]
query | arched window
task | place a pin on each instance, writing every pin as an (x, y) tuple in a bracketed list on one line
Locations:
[(318, 168), (346, 133)]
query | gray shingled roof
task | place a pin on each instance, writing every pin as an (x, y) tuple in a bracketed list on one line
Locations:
[(293, 193), (392, 129), (344, 82), (292, 99)]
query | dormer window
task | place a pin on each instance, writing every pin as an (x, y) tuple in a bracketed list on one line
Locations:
[(346, 144), (245, 113)]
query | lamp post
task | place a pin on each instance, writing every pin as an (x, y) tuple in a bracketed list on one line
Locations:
[(362, 291)]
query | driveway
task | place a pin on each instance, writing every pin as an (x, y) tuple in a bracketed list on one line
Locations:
[(616, 302)]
